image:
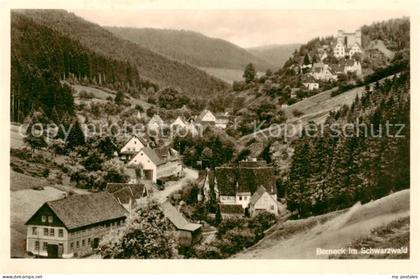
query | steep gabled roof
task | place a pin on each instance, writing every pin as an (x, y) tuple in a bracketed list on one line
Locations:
[(77, 211), (257, 195), (133, 137), (176, 218), (153, 156)]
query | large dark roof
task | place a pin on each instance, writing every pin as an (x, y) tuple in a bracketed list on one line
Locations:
[(226, 178), (77, 211)]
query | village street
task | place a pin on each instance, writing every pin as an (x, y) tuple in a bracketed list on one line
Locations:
[(173, 186)]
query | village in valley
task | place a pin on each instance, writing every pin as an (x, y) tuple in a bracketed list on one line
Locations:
[(191, 177)]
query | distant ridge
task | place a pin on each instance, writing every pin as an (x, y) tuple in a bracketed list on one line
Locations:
[(277, 54), (191, 47)]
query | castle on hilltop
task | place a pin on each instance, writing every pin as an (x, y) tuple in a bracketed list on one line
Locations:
[(348, 43)]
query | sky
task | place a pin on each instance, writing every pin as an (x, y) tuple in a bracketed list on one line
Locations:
[(245, 28)]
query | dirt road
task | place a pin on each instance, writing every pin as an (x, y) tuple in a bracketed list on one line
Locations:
[(173, 186)]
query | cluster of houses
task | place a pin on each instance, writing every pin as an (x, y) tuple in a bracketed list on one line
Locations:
[(192, 125), (242, 190), (345, 48), (74, 225)]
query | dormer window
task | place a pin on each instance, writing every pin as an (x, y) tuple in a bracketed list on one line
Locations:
[(50, 219), (44, 218)]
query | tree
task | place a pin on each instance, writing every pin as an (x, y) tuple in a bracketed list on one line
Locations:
[(218, 217), (119, 98), (306, 60), (148, 235), (249, 73), (76, 137)]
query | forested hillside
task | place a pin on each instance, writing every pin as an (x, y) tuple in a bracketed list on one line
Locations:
[(355, 168), (395, 33), (41, 57), (191, 47), (276, 54), (151, 66)]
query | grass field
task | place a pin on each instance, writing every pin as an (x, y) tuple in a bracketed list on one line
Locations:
[(101, 95), (299, 239), (16, 140)]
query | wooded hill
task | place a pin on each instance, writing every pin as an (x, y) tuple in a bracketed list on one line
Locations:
[(191, 47), (362, 167), (42, 57), (151, 66)]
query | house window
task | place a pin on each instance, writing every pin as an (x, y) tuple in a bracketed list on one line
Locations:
[(72, 246), (52, 232), (83, 242), (45, 232), (60, 233), (34, 230), (50, 219), (240, 198), (272, 207), (44, 246), (77, 244), (44, 218), (89, 241), (37, 245)]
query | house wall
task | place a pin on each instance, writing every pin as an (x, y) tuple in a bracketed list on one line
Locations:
[(142, 159), (243, 199), (41, 238), (169, 168), (75, 244), (265, 203)]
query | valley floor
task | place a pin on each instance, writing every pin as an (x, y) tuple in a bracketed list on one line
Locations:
[(334, 231)]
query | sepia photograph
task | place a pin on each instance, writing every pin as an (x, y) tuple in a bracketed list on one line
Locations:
[(209, 134)]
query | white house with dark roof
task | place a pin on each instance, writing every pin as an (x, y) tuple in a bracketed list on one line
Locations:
[(132, 147), (148, 161), (321, 71), (310, 83), (237, 184), (73, 226)]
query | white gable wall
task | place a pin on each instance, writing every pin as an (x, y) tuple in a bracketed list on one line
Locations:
[(144, 161), (209, 117), (265, 203), (134, 144)]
